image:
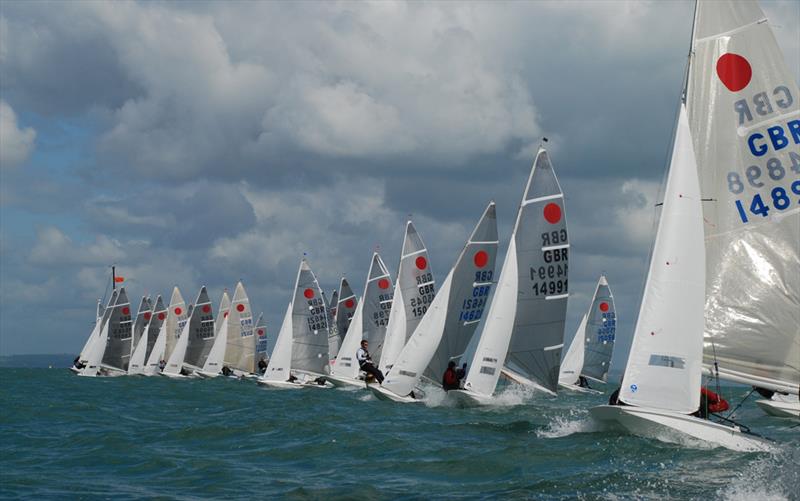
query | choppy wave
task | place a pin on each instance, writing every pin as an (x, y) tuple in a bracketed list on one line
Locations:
[(63, 436)]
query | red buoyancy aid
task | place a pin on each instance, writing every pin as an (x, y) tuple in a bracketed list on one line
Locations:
[(715, 402), (449, 378)]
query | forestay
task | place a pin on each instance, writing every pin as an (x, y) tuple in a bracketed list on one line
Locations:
[(600, 333), (309, 324), (445, 330), (525, 325), (414, 291), (744, 112), (664, 365)]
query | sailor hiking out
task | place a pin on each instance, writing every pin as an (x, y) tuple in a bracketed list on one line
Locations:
[(365, 362)]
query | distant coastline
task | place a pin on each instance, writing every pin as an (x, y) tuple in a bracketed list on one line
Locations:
[(59, 360)]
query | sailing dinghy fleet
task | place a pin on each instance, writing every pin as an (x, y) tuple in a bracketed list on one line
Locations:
[(721, 297)]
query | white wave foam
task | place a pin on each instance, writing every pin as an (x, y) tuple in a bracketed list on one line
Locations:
[(773, 478), (563, 426)]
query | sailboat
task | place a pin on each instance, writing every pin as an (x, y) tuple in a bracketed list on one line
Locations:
[(110, 353), (143, 315), (235, 343), (444, 332), (300, 357), (589, 355), (262, 342), (369, 322), (414, 291), (525, 324), (743, 107), (168, 332), (661, 384), (148, 340), (100, 319), (195, 340)]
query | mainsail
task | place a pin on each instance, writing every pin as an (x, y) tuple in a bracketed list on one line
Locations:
[(445, 330), (138, 355), (333, 330), (240, 351), (600, 333), (525, 324), (309, 324), (664, 365), (145, 346), (118, 345), (345, 308), (280, 363), (102, 316), (414, 291), (744, 113)]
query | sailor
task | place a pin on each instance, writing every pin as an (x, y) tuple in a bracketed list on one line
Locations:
[(583, 382), (365, 362), (162, 364), (450, 377), (226, 371), (461, 374), (262, 366), (77, 363), (710, 403)]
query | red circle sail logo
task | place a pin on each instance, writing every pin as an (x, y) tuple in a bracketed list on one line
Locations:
[(604, 307), (240, 308), (383, 283), (178, 311), (349, 303), (161, 316), (734, 71), (421, 263), (147, 315), (481, 258), (206, 308), (126, 311), (308, 293), (552, 213)]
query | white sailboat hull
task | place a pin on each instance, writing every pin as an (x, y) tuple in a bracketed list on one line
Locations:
[(579, 389), (344, 382), (780, 409), (466, 398), (382, 393), (658, 424), (288, 385)]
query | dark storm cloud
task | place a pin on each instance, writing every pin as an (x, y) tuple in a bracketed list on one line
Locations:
[(227, 139)]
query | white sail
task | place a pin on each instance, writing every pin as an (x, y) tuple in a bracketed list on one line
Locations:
[(414, 292), (196, 338), (525, 325), (139, 355), (95, 355), (572, 362), (222, 313), (345, 308), (170, 329), (664, 366), (280, 363), (262, 348), (177, 327), (448, 325), (239, 338), (102, 316), (744, 113), (309, 325), (346, 365), (600, 333)]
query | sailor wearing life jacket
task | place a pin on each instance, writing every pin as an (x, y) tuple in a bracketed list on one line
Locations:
[(365, 362)]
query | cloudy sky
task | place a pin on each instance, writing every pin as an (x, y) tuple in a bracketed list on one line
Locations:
[(201, 143)]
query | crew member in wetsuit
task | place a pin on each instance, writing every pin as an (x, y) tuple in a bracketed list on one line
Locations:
[(710, 403), (77, 363), (583, 382), (365, 362), (262, 366), (450, 377), (461, 374), (226, 371)]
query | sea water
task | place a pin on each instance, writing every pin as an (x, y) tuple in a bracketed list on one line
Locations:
[(63, 436)]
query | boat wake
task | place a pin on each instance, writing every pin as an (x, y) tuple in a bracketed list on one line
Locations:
[(767, 479)]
